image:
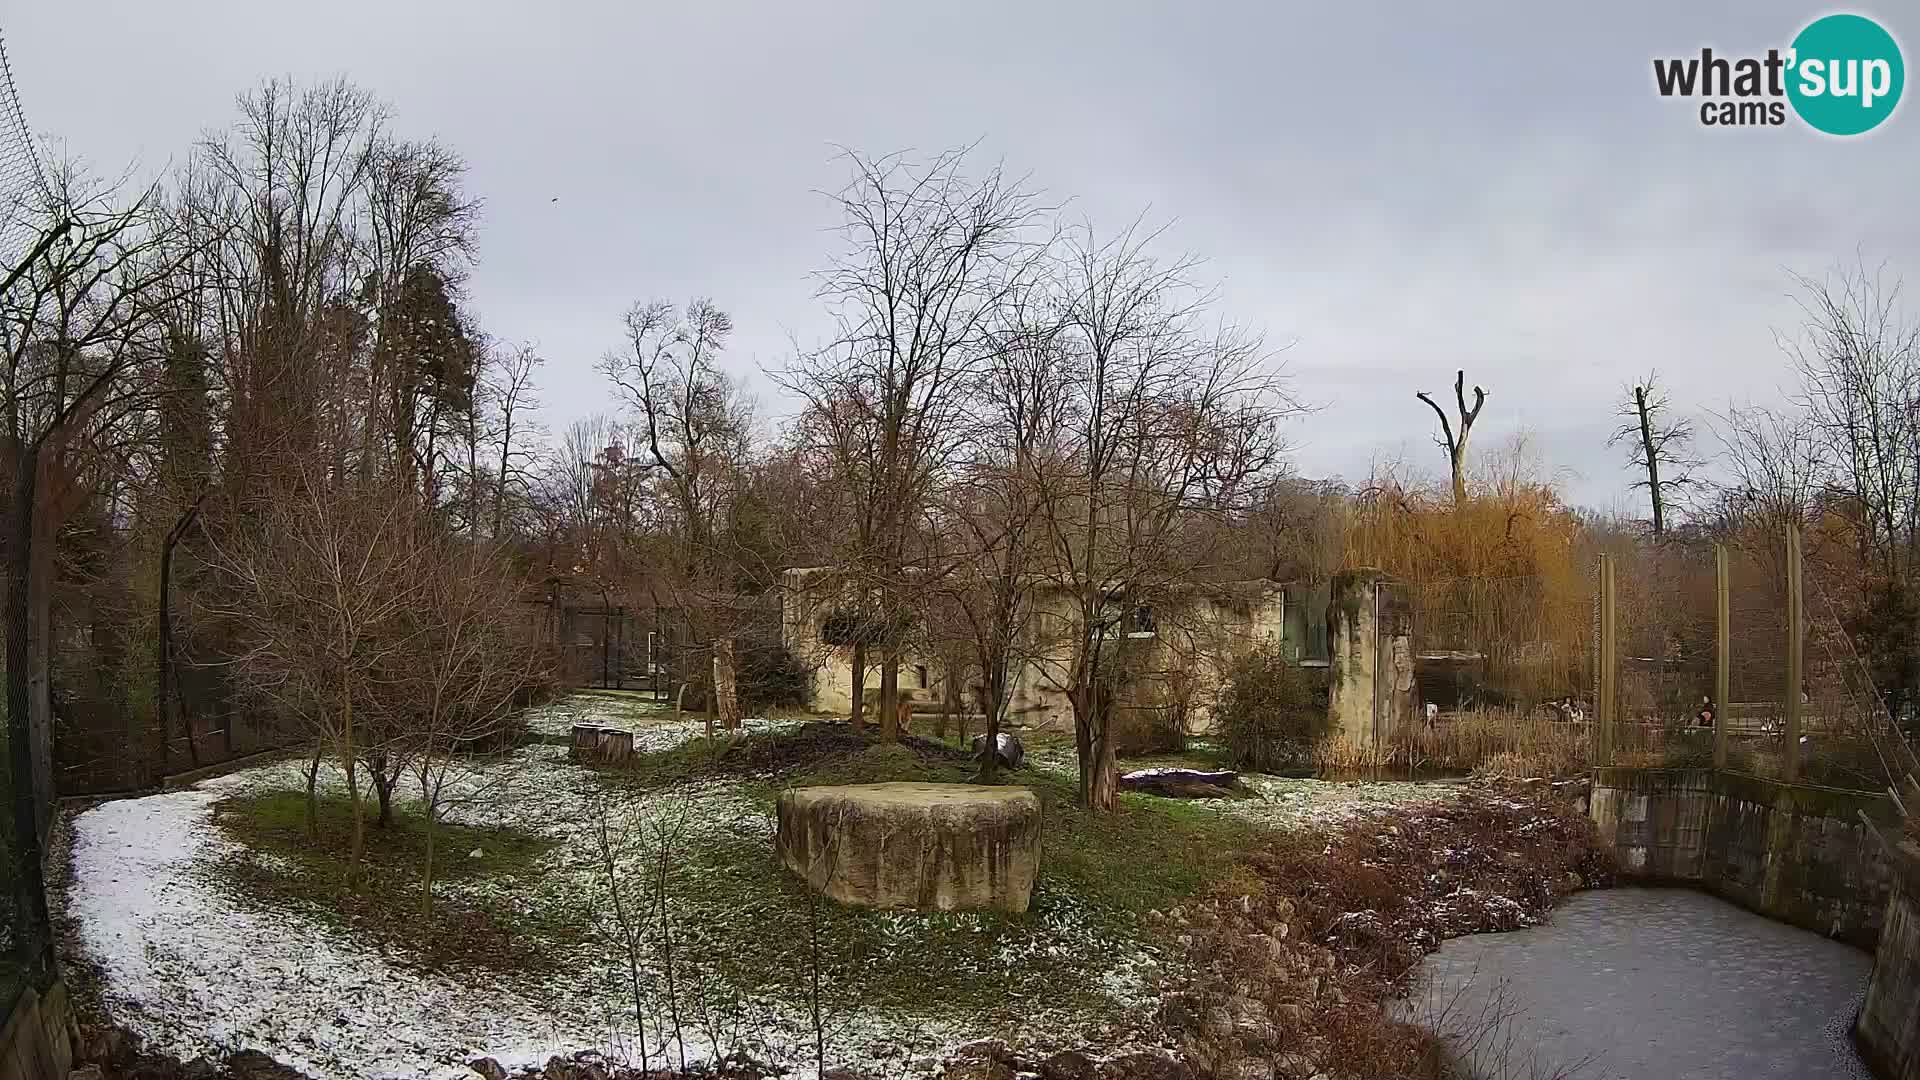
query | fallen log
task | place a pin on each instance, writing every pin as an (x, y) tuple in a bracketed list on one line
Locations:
[(1182, 783)]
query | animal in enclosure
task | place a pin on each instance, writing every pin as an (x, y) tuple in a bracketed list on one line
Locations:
[(1007, 749), (1569, 710), (906, 703)]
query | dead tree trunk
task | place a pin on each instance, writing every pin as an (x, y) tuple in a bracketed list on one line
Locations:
[(890, 694), (163, 696), (1652, 454), (857, 715), (1456, 444)]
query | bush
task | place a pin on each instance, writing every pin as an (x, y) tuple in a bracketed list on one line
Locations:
[(771, 677), (1271, 712), (1154, 719)]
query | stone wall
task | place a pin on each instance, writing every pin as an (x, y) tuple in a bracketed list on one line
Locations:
[(1197, 633), (35, 1042), (1792, 852), (1888, 1032), (1371, 632)]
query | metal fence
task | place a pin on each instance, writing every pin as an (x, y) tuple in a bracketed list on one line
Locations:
[(26, 941), (1712, 655)]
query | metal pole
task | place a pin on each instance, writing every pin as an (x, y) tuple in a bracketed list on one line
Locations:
[(1379, 642), (1795, 615), (1605, 723), (1722, 655)]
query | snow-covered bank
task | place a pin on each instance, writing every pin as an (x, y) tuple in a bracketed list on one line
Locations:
[(194, 973), (194, 965)]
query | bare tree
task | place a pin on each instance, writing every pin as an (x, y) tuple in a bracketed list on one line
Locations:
[(468, 662), (80, 337), (323, 586), (695, 429), (1455, 444), (930, 254), (1660, 446), (289, 181), (511, 392), (985, 587), (1168, 425), (1858, 358)]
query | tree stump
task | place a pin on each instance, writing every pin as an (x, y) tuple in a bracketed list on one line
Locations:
[(932, 847), (586, 742)]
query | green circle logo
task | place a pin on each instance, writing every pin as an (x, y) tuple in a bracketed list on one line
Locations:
[(1846, 74)]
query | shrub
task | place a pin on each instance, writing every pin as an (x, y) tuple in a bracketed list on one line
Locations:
[(770, 676), (1270, 711), (1154, 719), (1495, 742)]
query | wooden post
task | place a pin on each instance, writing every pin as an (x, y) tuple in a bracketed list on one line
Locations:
[(1795, 613), (1722, 655), (1607, 707)]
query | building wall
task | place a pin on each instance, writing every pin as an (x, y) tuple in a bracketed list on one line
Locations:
[(1372, 685), (801, 609), (1792, 852), (1195, 641)]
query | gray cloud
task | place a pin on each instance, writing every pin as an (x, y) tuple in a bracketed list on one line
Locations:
[(1398, 191)]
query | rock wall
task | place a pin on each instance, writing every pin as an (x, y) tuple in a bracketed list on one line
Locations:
[(1371, 634), (35, 1041), (1792, 852), (933, 847), (1888, 1032)]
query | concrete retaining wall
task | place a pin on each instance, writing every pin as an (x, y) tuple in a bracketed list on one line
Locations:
[(1792, 852), (1888, 1033), (34, 1043)]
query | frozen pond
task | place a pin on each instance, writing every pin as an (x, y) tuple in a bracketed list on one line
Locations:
[(1639, 984)]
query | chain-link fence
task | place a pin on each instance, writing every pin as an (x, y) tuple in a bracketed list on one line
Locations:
[(26, 952), (1706, 670)]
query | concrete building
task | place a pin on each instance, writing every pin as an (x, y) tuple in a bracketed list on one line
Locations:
[(1182, 644)]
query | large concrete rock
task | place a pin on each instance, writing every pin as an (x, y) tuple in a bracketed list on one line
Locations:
[(942, 847)]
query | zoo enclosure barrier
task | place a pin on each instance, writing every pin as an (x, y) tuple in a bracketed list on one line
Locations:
[(1722, 656)]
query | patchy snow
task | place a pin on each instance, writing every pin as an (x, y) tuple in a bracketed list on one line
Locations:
[(195, 973), (651, 722), (1286, 803), (194, 970), (1280, 802)]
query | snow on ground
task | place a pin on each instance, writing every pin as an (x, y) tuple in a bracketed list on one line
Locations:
[(1285, 803), (194, 970), (195, 973), (1280, 802), (651, 721)]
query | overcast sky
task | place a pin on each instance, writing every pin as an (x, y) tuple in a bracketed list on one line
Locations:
[(1395, 192)]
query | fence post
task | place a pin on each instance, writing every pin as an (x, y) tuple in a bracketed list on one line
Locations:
[(1794, 671), (1607, 705), (1722, 655)]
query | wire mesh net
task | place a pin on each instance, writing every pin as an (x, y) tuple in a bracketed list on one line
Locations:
[(1832, 730), (22, 183)]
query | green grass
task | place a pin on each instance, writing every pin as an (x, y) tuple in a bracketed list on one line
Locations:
[(743, 925), (1099, 874), (472, 922)]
